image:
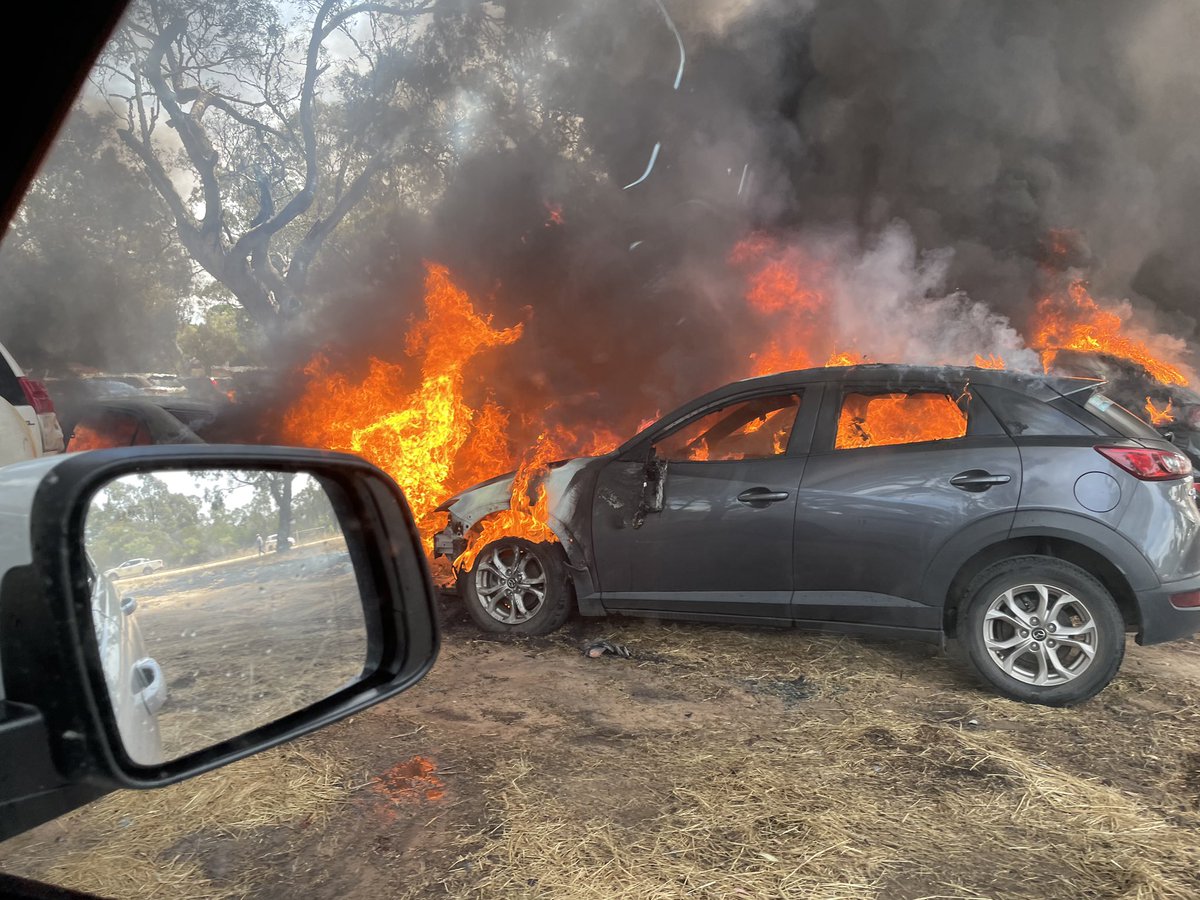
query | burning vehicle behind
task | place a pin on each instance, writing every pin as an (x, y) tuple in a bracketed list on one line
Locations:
[(1031, 517)]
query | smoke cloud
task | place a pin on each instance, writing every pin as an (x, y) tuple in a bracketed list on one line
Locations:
[(924, 149)]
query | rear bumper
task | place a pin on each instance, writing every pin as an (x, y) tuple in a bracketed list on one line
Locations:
[(1160, 620)]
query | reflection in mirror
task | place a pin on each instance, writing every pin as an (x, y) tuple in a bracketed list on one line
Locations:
[(222, 600)]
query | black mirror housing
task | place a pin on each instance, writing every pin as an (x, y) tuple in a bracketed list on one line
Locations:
[(56, 718)]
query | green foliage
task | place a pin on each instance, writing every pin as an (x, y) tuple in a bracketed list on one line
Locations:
[(207, 516), (223, 338), (91, 273)]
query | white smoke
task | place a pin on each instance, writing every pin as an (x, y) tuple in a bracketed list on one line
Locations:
[(891, 304)]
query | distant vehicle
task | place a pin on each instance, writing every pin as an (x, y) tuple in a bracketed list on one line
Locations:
[(110, 387), (273, 541), (195, 414), (25, 400), (207, 389), (162, 383), (139, 566), (141, 382), (1031, 517), (122, 422)]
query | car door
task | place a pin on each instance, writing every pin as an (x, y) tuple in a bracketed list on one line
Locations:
[(698, 520), (894, 475)]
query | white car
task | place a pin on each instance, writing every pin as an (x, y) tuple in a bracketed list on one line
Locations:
[(139, 566), (273, 542), (29, 426)]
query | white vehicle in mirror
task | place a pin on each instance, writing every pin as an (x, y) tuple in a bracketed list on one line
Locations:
[(139, 566)]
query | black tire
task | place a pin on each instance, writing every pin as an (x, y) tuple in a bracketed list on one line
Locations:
[(147, 570), (1079, 603), (548, 615)]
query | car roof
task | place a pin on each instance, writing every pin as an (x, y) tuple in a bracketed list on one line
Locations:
[(887, 377), (903, 376)]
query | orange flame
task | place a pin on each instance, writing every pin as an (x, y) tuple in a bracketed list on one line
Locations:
[(844, 358), (415, 436), (783, 288), (991, 361), (523, 518), (414, 780), (1073, 320), (877, 420), (1164, 416)]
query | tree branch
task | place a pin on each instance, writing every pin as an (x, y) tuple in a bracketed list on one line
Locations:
[(195, 142)]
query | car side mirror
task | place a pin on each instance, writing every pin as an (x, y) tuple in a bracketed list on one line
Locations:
[(225, 652)]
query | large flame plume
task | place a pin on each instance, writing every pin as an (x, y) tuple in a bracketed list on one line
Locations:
[(423, 436), (434, 442)]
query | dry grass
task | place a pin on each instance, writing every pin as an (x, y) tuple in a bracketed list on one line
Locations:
[(866, 801), (134, 844), (818, 767), (833, 811)]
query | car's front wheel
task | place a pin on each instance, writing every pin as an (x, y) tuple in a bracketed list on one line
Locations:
[(1042, 630), (516, 586), (147, 570)]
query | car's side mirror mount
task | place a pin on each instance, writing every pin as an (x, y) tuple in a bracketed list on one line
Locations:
[(224, 652), (654, 479)]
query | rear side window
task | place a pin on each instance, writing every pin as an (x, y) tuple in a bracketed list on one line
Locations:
[(1024, 416), (749, 429), (1120, 420), (880, 420)]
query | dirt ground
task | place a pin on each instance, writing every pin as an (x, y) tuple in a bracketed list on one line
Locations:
[(245, 642), (717, 762)]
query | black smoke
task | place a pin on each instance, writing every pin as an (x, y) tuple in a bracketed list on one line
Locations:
[(964, 131)]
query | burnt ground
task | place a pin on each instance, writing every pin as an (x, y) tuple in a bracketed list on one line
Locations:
[(717, 762)]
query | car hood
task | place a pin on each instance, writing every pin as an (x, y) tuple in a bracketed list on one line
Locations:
[(493, 495)]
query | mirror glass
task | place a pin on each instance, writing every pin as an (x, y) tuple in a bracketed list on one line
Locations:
[(222, 600)]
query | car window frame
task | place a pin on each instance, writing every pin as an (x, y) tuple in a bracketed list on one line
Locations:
[(825, 435), (799, 442)]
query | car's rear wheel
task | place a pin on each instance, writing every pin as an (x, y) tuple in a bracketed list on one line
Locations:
[(516, 586), (147, 570), (1043, 630)]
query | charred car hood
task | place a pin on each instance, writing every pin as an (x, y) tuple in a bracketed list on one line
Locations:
[(493, 495)]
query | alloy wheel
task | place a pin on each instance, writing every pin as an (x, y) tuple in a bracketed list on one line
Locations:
[(510, 583), (1040, 634)]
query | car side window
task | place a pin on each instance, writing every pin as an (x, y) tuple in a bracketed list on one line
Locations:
[(749, 429), (1023, 416), (108, 429), (887, 418)]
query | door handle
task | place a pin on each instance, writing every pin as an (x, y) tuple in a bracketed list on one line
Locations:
[(977, 480), (762, 495)]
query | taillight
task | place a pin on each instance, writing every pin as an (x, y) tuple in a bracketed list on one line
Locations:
[(43, 407), (1148, 464), (1188, 600), (37, 395)]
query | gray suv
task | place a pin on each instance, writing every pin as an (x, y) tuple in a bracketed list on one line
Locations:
[(1030, 517)]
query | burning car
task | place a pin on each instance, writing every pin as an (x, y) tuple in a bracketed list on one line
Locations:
[(1030, 517), (1172, 409)]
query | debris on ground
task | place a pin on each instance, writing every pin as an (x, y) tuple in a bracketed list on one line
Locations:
[(597, 649), (790, 691)]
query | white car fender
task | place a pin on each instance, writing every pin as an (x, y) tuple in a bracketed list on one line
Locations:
[(18, 484), (17, 443)]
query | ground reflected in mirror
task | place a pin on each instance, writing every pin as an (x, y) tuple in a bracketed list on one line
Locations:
[(238, 604)]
